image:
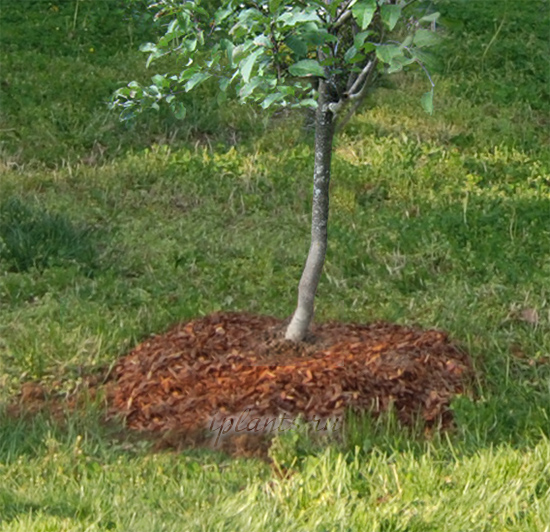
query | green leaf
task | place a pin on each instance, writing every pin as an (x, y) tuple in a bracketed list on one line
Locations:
[(214, 60), (297, 45), (271, 99), (224, 83), (425, 38), (154, 91), (333, 7), (188, 73), (190, 45), (297, 16), (387, 52), (197, 78), (390, 15), (328, 61), (160, 81), (363, 11), (262, 40), (287, 90), (307, 67), (251, 17), (165, 41), (148, 47), (350, 54), (359, 39), (222, 14), (408, 41), (309, 102), (228, 46), (353, 55), (426, 58), (248, 88), (315, 36), (368, 47), (173, 27), (125, 92), (431, 18), (427, 101), (180, 111), (274, 5), (398, 62), (248, 64), (152, 57)]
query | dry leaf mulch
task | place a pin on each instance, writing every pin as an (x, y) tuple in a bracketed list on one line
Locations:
[(223, 364)]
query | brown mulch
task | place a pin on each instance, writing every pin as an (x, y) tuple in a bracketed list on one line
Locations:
[(206, 371)]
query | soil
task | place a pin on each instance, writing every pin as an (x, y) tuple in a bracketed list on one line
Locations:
[(231, 380)]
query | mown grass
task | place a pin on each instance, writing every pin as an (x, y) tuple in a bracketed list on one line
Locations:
[(79, 484), (109, 232)]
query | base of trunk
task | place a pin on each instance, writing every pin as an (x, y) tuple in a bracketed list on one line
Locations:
[(298, 326)]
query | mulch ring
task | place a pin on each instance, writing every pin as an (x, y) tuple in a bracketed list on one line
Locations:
[(233, 374)]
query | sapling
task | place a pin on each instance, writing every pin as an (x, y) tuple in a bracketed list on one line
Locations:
[(317, 54)]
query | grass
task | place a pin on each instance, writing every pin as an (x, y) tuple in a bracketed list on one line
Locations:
[(109, 232), (32, 238), (67, 481)]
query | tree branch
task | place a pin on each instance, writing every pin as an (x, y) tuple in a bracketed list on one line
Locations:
[(358, 97), (344, 15), (340, 21), (275, 44), (364, 74), (351, 80)]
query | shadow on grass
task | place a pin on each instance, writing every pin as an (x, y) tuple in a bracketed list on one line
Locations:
[(31, 237)]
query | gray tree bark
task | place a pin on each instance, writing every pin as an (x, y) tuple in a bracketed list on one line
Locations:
[(324, 134)]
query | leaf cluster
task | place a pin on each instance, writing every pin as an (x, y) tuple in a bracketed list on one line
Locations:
[(274, 52)]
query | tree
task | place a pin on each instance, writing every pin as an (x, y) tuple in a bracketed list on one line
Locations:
[(321, 54)]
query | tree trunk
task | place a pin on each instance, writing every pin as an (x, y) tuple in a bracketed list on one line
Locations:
[(324, 132)]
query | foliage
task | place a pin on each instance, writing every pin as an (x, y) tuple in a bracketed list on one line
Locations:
[(274, 52)]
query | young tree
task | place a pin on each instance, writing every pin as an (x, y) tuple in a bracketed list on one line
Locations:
[(321, 54)]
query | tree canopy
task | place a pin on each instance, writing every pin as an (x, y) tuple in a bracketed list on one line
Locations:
[(274, 52)]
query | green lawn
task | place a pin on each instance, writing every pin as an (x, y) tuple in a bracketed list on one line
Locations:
[(110, 231)]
